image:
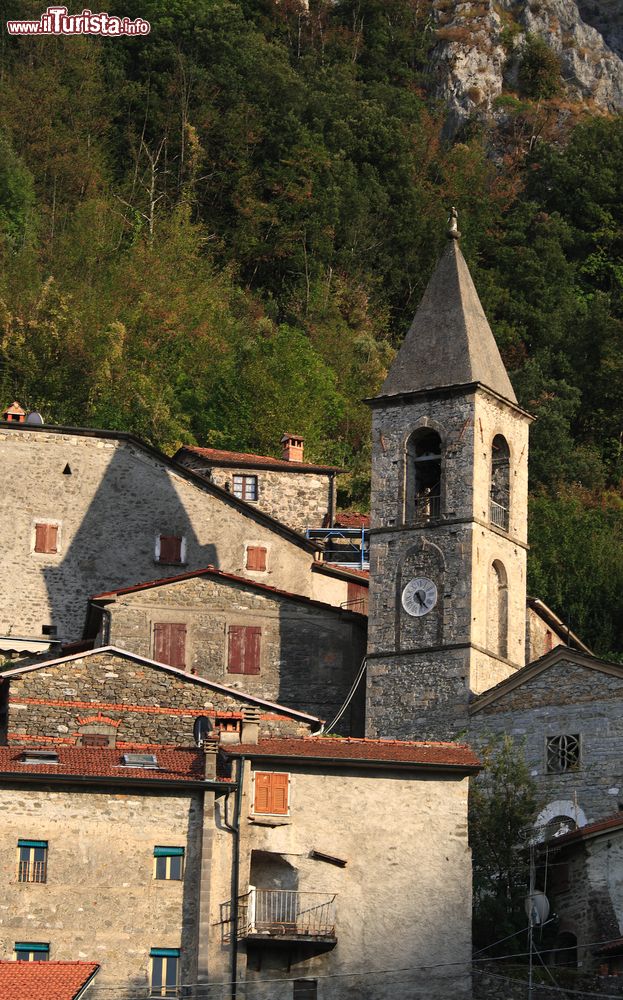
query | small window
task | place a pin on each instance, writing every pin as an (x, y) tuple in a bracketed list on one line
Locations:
[(94, 740), (46, 538), (164, 971), (305, 989), (245, 487), (168, 863), (169, 644), (499, 500), (563, 754), (272, 793), (49, 629), (148, 760), (256, 558), (39, 757), (243, 649), (31, 951), (32, 861), (170, 549)]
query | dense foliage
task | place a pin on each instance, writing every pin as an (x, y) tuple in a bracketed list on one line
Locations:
[(220, 231)]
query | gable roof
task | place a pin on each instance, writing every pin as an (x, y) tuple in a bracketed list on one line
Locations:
[(360, 751), (246, 459), (557, 625), (351, 573), (248, 510), (180, 764), (449, 341), (45, 980), (175, 671), (532, 670), (211, 571)]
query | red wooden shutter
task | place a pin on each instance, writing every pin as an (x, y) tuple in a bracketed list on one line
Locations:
[(279, 798), (262, 792), (46, 537), (252, 648), (170, 644), (235, 649), (256, 558), (357, 598), (170, 549)]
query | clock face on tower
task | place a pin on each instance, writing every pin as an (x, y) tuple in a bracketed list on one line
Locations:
[(419, 596)]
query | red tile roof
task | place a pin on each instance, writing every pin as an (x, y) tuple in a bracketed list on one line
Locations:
[(44, 980), (242, 458), (212, 571), (373, 751), (352, 519), (97, 762), (615, 945), (589, 830)]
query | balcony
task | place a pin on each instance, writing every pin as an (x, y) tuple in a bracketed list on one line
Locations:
[(275, 916), (350, 547), (427, 507)]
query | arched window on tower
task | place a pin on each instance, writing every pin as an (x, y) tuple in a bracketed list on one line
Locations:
[(423, 476), (497, 610), (500, 494)]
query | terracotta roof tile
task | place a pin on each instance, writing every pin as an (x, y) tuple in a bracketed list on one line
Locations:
[(98, 762), (589, 830), (233, 458), (44, 980), (352, 519), (346, 749)]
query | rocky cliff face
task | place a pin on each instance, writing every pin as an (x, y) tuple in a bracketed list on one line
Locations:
[(481, 45)]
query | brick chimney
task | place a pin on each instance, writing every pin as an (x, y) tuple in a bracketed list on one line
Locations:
[(292, 447), (210, 750), (14, 413), (250, 724)]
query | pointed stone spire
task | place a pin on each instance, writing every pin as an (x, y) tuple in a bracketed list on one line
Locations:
[(450, 341)]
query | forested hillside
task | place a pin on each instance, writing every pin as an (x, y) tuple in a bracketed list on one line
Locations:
[(221, 231)]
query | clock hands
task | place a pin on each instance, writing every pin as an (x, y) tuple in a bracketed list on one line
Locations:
[(421, 598)]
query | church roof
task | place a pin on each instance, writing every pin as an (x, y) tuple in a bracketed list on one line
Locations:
[(450, 341)]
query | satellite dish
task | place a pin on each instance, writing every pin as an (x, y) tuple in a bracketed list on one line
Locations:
[(34, 418), (537, 908), (202, 727)]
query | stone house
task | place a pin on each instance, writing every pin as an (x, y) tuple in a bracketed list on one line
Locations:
[(581, 873), (243, 633), (91, 510), (298, 493), (112, 698), (246, 862), (566, 711)]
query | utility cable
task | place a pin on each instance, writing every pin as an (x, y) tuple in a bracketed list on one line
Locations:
[(349, 697)]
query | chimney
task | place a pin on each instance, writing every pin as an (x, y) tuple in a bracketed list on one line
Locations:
[(210, 750), (292, 447), (14, 414), (250, 725)]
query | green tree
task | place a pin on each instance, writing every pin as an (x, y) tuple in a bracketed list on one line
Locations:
[(502, 802), (539, 70)]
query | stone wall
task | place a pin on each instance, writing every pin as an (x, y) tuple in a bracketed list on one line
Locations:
[(540, 638), (101, 902), (299, 499), (146, 705), (502, 982), (566, 698), (110, 510), (309, 654), (401, 836)]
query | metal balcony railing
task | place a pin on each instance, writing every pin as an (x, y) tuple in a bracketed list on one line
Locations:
[(286, 913), (32, 871), (498, 514), (348, 546), (427, 506)]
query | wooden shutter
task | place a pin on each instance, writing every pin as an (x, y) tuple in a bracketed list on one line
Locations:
[(271, 793), (170, 644), (244, 649), (170, 549), (46, 537), (256, 558), (357, 598)]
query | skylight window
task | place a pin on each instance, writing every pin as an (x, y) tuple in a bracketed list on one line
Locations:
[(140, 760), (39, 757)]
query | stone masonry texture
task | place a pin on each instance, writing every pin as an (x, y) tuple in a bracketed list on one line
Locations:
[(309, 655), (146, 704)]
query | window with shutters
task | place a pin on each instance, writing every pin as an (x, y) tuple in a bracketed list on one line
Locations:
[(245, 487), (32, 860), (272, 793), (32, 951), (46, 538), (243, 649), (168, 864), (170, 549), (164, 972), (169, 644), (357, 598), (256, 558)]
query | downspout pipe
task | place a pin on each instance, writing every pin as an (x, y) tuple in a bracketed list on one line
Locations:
[(236, 880)]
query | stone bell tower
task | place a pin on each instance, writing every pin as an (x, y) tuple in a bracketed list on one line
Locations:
[(448, 517)]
